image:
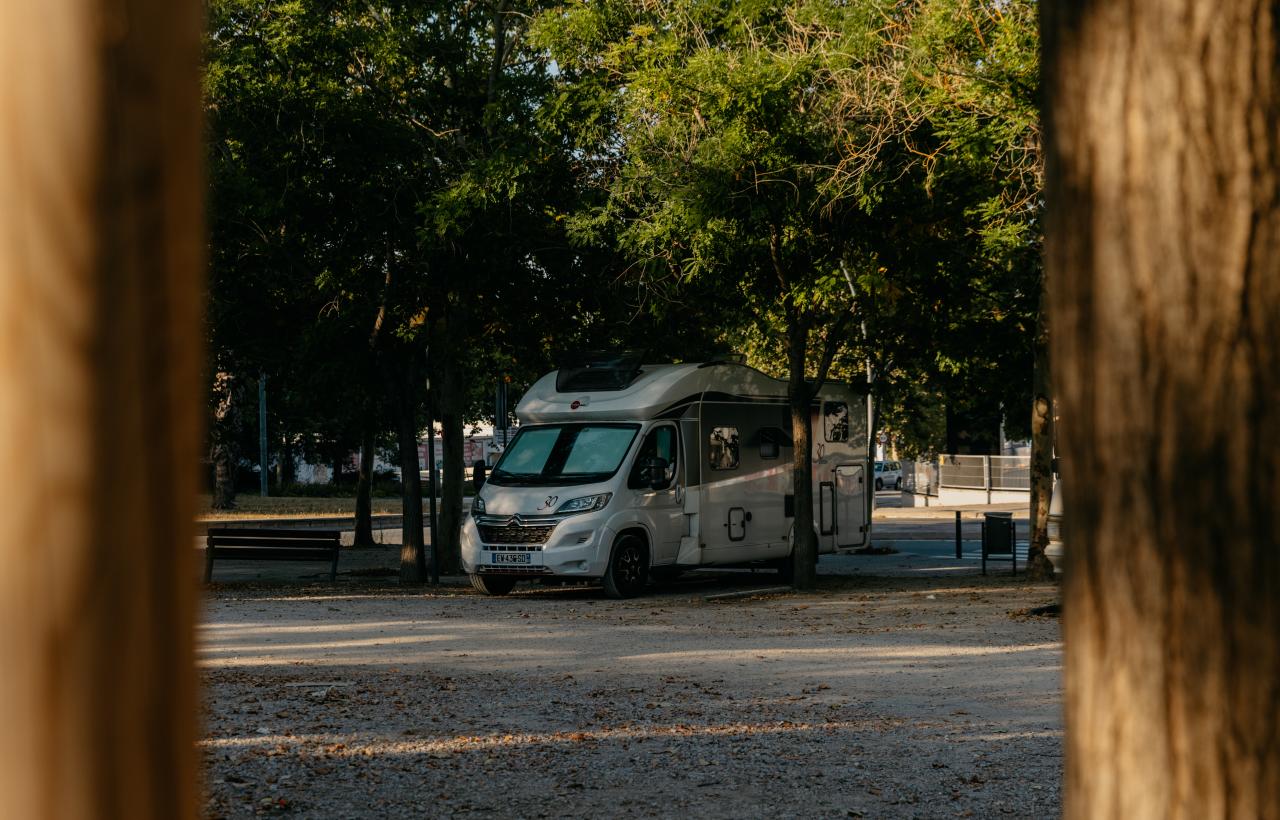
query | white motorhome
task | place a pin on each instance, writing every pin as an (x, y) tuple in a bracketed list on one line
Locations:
[(621, 471)]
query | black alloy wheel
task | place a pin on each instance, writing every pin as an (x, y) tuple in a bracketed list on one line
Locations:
[(628, 568), (879, 484), (493, 584)]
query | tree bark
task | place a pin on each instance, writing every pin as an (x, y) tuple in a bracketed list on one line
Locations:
[(1039, 567), (101, 368), (449, 403), (284, 467), (364, 491), (1161, 251), (413, 562), (224, 436), (804, 554), (449, 528)]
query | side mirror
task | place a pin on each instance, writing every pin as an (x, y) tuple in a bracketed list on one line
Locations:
[(653, 473), (478, 471)]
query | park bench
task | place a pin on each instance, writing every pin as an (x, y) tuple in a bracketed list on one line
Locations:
[(270, 544)]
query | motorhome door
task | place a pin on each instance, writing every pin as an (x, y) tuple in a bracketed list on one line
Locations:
[(850, 506), (662, 506)]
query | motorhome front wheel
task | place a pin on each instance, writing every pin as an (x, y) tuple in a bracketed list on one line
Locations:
[(628, 568), (493, 584)]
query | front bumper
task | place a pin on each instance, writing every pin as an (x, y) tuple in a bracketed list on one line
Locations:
[(578, 547)]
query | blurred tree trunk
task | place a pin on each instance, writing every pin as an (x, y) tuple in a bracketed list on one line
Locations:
[(364, 491), (101, 248), (1038, 565), (1163, 130)]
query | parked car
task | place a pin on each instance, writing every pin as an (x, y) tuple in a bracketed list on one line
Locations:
[(888, 474)]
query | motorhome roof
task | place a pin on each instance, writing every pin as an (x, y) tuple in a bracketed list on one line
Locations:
[(659, 389)]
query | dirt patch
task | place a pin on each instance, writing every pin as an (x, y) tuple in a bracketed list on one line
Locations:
[(876, 697)]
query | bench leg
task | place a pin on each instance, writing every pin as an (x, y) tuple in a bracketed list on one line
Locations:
[(208, 564), (333, 570)]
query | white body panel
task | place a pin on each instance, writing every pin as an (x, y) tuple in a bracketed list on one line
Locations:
[(719, 510)]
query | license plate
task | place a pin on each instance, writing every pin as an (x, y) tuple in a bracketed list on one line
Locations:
[(511, 558)]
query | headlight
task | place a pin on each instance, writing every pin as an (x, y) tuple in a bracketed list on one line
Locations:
[(585, 504), (477, 506)]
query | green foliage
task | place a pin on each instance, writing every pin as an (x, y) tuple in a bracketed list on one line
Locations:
[(509, 180), (714, 140)]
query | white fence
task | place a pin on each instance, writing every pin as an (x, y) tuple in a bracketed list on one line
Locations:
[(965, 479), (920, 477), (1009, 472)]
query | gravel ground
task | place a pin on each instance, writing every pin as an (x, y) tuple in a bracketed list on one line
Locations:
[(873, 697)]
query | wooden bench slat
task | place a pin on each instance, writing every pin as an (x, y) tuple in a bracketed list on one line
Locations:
[(271, 544), (282, 543), (270, 554), (273, 532)]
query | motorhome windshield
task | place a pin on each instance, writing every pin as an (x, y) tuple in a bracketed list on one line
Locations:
[(564, 454)]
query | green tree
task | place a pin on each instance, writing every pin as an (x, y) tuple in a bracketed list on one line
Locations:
[(711, 127)]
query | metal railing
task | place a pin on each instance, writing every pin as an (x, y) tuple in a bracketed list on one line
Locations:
[(963, 472), (1010, 472), (967, 473), (985, 472), (920, 477)]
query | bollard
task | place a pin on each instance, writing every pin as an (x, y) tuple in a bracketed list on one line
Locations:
[(958, 534)]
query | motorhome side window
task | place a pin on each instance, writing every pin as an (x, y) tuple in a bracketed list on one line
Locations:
[(769, 445), (723, 454), (835, 416), (660, 443)]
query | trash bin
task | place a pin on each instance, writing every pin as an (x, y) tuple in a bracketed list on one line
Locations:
[(999, 539)]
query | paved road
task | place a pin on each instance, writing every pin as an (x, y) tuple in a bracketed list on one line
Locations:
[(923, 541)]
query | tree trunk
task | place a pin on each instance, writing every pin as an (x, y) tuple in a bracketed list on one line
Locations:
[(1163, 129), (100, 407), (449, 405), (413, 561), (364, 492), (1039, 567), (449, 527), (284, 467), (805, 544), (224, 439)]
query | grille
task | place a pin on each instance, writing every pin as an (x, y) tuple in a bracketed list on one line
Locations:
[(513, 570), (514, 535)]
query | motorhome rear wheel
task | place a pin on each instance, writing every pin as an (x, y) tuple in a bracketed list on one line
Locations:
[(493, 584), (628, 568)]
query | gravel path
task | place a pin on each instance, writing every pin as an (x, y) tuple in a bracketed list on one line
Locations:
[(873, 697)]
